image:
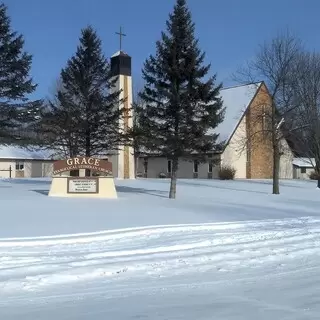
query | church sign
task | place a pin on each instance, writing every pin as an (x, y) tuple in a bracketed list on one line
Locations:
[(78, 163), (83, 185)]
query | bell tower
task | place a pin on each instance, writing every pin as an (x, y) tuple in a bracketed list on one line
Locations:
[(121, 69)]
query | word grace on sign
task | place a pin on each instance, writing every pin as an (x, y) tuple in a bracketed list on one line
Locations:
[(78, 163)]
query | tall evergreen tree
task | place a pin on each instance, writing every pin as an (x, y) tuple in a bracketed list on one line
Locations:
[(16, 111), (84, 117), (180, 106)]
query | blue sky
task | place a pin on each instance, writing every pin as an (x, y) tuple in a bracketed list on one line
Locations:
[(229, 31)]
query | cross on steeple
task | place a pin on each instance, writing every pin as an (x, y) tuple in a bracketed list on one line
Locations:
[(120, 36)]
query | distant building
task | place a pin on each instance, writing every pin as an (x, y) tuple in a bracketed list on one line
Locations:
[(303, 167), (247, 152), (20, 162)]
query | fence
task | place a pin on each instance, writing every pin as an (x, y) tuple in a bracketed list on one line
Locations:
[(8, 170)]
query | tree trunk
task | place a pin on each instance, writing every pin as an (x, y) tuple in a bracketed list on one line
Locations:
[(276, 169), (136, 165), (317, 170), (276, 153), (88, 151), (173, 183)]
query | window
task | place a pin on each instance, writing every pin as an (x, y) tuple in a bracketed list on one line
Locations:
[(169, 166), (303, 170), (145, 165), (195, 166), (210, 166), (19, 165)]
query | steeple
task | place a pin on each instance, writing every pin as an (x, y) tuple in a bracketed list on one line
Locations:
[(121, 69), (121, 64)]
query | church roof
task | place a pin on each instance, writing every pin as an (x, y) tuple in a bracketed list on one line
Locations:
[(236, 101), (16, 152), (304, 162), (119, 53)]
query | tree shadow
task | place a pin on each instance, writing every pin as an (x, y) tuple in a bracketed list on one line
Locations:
[(42, 192), (221, 187), (27, 181), (121, 189), (156, 193), (269, 183)]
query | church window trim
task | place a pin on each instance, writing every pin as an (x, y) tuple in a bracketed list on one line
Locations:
[(210, 166), (195, 166), (145, 165), (169, 166), (19, 165)]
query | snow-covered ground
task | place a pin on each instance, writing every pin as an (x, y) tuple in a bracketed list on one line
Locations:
[(221, 250)]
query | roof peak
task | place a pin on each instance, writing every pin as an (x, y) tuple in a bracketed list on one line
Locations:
[(258, 83), (119, 53)]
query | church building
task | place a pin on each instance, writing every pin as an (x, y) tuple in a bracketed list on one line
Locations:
[(245, 150), (250, 157)]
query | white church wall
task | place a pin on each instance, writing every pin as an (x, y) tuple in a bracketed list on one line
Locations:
[(114, 160), (130, 124), (124, 83), (235, 153), (158, 165)]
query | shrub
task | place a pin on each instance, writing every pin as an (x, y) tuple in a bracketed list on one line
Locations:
[(139, 175), (314, 175), (162, 175), (227, 173)]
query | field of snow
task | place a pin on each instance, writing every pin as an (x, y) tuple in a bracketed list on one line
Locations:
[(221, 250)]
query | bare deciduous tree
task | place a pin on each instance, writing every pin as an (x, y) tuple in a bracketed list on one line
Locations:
[(273, 64), (306, 117)]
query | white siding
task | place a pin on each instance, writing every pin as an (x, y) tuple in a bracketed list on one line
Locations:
[(286, 169), (297, 173), (235, 153), (47, 169), (27, 168), (32, 169), (114, 160), (157, 165), (4, 165)]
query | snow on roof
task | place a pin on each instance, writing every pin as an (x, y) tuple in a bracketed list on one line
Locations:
[(304, 162), (236, 100), (15, 152), (119, 53)]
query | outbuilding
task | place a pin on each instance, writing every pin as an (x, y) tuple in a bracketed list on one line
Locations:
[(303, 167), (17, 162)]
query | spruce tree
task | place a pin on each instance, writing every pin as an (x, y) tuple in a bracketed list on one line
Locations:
[(16, 111), (180, 106), (84, 117)]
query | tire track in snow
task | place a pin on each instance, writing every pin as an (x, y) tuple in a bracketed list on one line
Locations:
[(34, 263)]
